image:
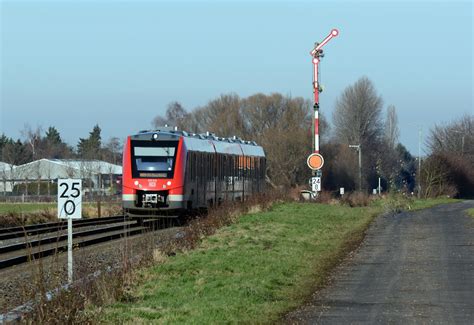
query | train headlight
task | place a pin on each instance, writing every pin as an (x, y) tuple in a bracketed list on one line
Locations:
[(155, 136)]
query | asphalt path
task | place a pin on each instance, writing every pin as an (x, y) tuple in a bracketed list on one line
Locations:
[(412, 268)]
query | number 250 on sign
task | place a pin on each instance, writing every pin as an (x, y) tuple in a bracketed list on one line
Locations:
[(69, 198)]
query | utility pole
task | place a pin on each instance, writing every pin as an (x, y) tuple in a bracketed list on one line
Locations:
[(418, 171), (419, 161), (359, 149), (315, 160), (462, 140)]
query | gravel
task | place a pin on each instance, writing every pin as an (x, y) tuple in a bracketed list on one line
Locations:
[(17, 284)]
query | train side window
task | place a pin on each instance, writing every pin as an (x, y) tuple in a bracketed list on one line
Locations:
[(199, 166), (226, 172), (232, 164), (190, 165), (194, 166), (209, 159), (221, 167), (208, 166)]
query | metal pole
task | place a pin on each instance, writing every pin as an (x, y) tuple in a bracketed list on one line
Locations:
[(360, 168), (69, 250), (380, 189), (359, 149), (317, 54), (419, 162)]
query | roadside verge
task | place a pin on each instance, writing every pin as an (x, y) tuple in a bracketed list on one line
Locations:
[(253, 271)]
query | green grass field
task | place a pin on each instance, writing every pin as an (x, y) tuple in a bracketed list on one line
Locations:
[(253, 271), (24, 207), (426, 203), (6, 208), (19, 214), (470, 212)]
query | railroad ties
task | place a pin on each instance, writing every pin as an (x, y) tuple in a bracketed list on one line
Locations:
[(23, 244)]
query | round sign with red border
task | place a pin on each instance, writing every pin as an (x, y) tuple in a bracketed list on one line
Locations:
[(315, 161)]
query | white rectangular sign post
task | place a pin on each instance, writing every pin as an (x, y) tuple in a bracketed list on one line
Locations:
[(341, 191), (69, 207), (316, 184)]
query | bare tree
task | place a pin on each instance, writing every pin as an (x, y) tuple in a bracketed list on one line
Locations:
[(457, 136), (281, 124), (175, 115), (159, 121), (33, 139), (389, 160), (220, 116), (357, 116), (357, 120), (262, 112), (113, 150), (452, 152)]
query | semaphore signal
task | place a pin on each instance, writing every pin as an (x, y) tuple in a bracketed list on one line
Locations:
[(315, 161)]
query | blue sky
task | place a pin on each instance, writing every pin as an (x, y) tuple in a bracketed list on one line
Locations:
[(73, 64)]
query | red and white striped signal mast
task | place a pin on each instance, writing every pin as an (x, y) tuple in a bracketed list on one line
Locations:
[(315, 160)]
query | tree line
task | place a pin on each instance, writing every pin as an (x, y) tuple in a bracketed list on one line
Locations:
[(39, 144), (282, 125), (449, 168)]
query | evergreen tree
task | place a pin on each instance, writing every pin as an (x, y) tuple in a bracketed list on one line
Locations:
[(53, 146), (15, 153), (52, 136), (90, 148), (4, 140)]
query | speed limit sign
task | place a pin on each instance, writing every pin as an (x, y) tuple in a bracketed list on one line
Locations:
[(69, 198), (316, 184)]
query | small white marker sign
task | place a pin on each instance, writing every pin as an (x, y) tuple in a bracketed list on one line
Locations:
[(69, 198), (316, 184), (69, 207), (341, 190)]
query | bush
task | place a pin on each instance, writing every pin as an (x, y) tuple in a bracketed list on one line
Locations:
[(397, 203), (356, 199), (326, 197), (447, 174)]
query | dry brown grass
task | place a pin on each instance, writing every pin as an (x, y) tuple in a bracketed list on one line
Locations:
[(13, 219), (71, 306), (326, 197), (356, 199)]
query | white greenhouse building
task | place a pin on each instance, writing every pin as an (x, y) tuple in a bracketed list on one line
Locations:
[(36, 177)]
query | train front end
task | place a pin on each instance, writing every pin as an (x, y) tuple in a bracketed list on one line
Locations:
[(153, 174)]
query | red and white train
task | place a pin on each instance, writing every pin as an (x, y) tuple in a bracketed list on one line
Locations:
[(168, 171)]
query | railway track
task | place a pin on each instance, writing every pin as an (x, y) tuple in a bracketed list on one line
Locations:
[(21, 231), (42, 240)]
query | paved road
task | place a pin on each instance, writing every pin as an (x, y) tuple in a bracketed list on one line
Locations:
[(413, 267)]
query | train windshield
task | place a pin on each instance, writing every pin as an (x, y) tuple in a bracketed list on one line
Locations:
[(153, 159)]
